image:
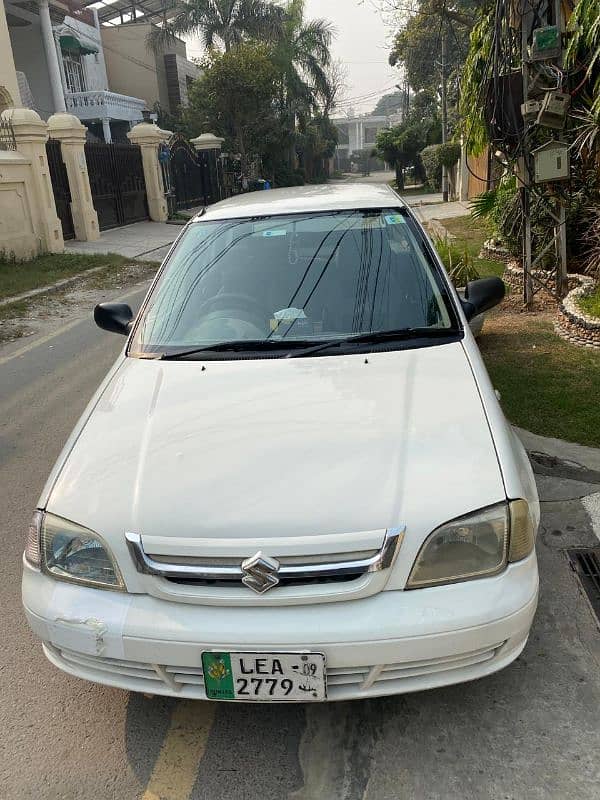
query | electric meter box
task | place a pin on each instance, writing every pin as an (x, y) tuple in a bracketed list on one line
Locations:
[(551, 162), (530, 110), (546, 44), (553, 113)]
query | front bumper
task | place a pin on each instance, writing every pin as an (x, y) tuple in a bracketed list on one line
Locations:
[(390, 643)]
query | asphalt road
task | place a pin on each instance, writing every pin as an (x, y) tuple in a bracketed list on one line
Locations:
[(531, 731)]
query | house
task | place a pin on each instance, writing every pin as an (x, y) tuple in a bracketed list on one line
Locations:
[(59, 59), (161, 79), (359, 133)]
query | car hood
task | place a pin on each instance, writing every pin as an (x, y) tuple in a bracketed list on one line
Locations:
[(254, 449)]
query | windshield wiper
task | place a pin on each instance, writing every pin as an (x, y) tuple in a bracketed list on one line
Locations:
[(306, 347), (243, 345), (376, 337)]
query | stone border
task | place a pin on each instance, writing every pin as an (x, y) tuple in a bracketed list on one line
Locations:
[(492, 250), (572, 323), (513, 276)]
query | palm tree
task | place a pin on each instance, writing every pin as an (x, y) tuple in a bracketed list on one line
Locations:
[(303, 55), (221, 23)]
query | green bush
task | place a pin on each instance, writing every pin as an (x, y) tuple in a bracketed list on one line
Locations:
[(437, 156), (285, 176), (460, 264)]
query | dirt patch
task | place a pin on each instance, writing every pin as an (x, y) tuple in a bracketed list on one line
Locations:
[(46, 311)]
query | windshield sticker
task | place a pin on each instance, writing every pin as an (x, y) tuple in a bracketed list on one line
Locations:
[(271, 234), (394, 219), (289, 314)]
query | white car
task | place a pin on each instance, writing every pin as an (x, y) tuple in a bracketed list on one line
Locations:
[(296, 483)]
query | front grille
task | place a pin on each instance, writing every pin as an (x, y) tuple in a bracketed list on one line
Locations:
[(189, 681), (282, 582), (262, 573)]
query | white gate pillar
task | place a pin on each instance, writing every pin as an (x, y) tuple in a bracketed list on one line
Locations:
[(71, 134), (149, 136)]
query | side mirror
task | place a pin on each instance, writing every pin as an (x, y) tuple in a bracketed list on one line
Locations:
[(482, 295), (114, 317)]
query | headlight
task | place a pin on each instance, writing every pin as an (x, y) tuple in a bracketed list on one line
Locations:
[(70, 552), (475, 546)]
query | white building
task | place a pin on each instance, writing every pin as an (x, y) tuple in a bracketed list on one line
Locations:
[(359, 133)]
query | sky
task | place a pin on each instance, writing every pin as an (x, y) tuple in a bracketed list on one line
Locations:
[(362, 44)]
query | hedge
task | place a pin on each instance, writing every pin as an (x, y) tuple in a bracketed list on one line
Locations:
[(437, 156)]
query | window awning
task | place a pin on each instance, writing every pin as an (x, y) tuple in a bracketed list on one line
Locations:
[(71, 44)]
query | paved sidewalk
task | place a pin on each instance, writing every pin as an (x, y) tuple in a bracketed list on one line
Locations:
[(433, 210), (150, 240)]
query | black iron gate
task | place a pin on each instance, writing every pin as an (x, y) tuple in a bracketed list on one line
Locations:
[(187, 176), (117, 183), (60, 187), (192, 177)]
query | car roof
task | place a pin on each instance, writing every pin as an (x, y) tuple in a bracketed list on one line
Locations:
[(303, 199)]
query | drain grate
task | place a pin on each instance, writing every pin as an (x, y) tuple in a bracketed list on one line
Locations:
[(586, 565)]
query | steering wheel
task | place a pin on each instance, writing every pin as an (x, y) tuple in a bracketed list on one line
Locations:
[(230, 300)]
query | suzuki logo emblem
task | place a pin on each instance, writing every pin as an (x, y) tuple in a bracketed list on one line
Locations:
[(260, 573)]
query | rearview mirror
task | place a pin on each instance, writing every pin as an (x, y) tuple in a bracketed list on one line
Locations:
[(114, 317), (482, 295)]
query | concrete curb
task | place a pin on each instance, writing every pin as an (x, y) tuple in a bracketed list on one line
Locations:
[(65, 282), (53, 287), (568, 453)]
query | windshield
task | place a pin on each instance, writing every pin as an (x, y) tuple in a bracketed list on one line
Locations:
[(291, 280)]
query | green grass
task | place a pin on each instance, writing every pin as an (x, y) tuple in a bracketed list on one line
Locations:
[(19, 277), (470, 236), (548, 386), (591, 303)]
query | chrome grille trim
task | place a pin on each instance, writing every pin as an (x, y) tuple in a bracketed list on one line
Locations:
[(383, 559)]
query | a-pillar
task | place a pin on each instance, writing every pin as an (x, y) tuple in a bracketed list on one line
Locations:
[(149, 136), (71, 134), (31, 135), (56, 86)]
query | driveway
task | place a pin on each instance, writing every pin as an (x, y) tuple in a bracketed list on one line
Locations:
[(530, 732)]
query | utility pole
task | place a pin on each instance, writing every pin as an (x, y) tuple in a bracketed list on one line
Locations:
[(444, 112), (560, 229), (553, 203), (525, 163)]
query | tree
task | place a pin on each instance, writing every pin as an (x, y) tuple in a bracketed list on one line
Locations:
[(390, 104), (235, 97), (315, 145), (337, 79), (221, 23), (303, 55), (400, 147)]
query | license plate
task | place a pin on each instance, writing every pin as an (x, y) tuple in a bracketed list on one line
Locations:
[(265, 677)]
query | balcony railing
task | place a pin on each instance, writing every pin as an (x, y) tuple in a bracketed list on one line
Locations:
[(104, 105), (7, 135)]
